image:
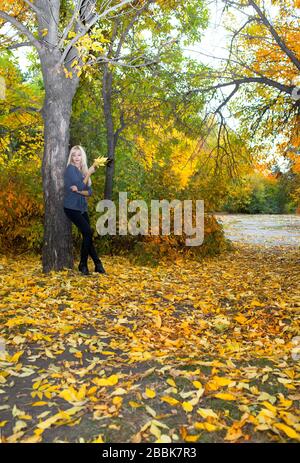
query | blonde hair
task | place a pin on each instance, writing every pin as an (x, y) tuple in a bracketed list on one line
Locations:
[(84, 167)]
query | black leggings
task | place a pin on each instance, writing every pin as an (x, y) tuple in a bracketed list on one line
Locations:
[(82, 222)]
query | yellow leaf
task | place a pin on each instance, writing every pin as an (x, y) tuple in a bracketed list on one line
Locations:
[(207, 412), (164, 439), (170, 400), (110, 381), (16, 356), (192, 438), (270, 407), (288, 431), (49, 354), (150, 393), (216, 382), (39, 404), (81, 392), (197, 384), (234, 433), (19, 426), (68, 394), (117, 400), (31, 439), (256, 303), (92, 390), (158, 321), (134, 404), (119, 391), (206, 426), (155, 431), (241, 319), (98, 440), (187, 406), (225, 396), (171, 382), (100, 161), (150, 411)]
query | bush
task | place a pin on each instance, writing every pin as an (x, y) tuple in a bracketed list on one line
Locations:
[(150, 249), (21, 208)]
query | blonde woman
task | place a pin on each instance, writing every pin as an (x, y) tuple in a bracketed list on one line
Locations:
[(76, 188)]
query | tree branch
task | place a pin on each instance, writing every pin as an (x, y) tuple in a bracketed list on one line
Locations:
[(247, 80), (19, 45), (33, 7), (21, 28), (90, 25)]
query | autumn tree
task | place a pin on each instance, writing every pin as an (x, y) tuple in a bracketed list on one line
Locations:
[(20, 119), (256, 82)]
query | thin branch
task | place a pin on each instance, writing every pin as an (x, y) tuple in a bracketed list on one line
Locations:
[(33, 7), (246, 80), (21, 28), (19, 45), (70, 25)]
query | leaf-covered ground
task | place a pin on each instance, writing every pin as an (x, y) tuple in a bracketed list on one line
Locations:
[(188, 351)]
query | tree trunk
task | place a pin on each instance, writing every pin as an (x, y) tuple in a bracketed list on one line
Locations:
[(107, 106), (57, 241)]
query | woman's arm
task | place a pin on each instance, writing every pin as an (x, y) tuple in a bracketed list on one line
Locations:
[(72, 182), (87, 192), (90, 171)]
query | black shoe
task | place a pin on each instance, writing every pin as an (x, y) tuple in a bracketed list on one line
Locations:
[(99, 268), (83, 269)]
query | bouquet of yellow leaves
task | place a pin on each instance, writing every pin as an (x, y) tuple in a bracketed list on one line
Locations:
[(100, 161)]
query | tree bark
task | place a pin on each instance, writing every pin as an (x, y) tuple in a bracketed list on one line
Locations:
[(57, 240)]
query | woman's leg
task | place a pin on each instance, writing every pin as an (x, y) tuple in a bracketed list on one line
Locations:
[(83, 225), (92, 250)]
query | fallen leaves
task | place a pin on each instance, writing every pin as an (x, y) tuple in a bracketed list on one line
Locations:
[(63, 416), (188, 351), (110, 381)]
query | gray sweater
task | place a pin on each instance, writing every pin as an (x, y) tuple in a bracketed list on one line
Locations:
[(74, 200)]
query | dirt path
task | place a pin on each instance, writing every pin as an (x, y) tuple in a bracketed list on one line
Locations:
[(264, 229)]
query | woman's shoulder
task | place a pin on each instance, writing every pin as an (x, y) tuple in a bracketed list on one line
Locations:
[(71, 168)]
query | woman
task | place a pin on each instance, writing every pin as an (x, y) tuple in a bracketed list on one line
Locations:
[(77, 187)]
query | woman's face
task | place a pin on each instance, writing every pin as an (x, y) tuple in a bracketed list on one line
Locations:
[(76, 159)]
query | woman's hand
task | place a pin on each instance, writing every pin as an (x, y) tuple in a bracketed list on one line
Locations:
[(91, 170), (74, 188)]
